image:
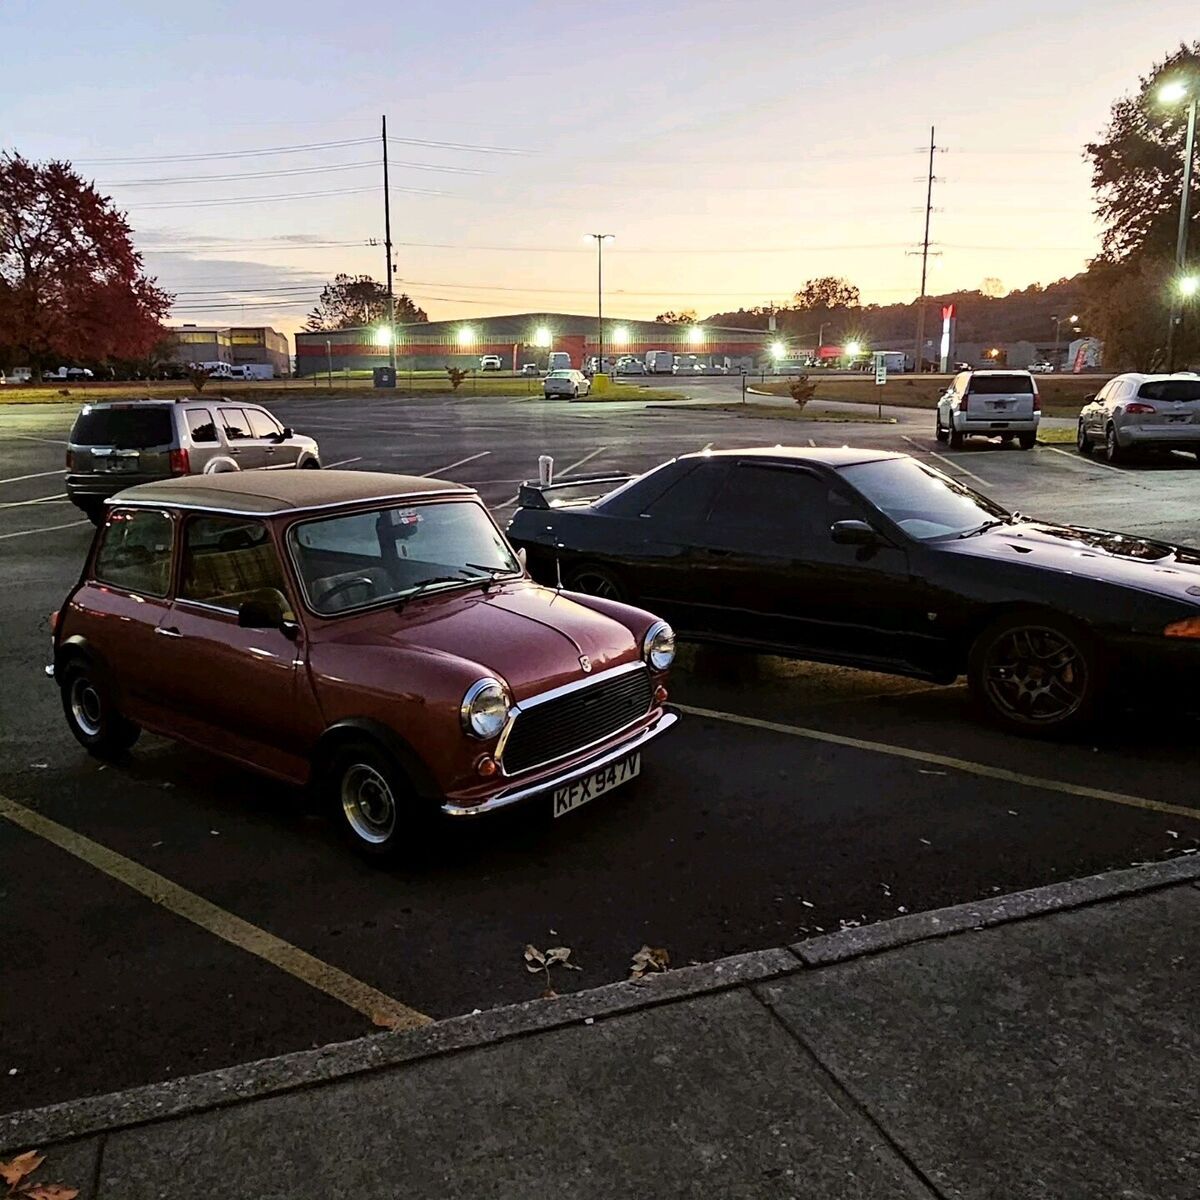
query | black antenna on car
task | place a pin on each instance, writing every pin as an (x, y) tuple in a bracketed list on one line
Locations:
[(545, 479)]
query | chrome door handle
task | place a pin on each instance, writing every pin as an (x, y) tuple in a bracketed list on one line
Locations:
[(167, 631)]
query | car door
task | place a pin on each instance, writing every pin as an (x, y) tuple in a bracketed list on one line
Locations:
[(239, 690), (247, 450), (769, 572), (269, 434), (126, 600)]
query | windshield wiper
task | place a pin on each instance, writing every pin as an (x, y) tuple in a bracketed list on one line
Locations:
[(982, 528), (414, 592)]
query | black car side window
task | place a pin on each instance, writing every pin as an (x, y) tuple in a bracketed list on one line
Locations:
[(772, 507), (691, 496)]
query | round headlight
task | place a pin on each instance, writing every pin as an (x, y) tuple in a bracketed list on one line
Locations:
[(484, 708), (658, 646)]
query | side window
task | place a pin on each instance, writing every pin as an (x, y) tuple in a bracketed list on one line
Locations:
[(201, 425), (261, 425), (778, 509), (135, 552), (691, 496), (227, 560), (237, 427)]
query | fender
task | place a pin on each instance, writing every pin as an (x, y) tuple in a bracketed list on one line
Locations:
[(413, 765)]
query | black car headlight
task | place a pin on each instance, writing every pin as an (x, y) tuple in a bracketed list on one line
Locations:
[(658, 646), (485, 708)]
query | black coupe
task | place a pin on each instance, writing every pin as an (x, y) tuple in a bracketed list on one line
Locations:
[(875, 560)]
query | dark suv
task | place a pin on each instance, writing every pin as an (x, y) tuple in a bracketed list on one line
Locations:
[(121, 443)]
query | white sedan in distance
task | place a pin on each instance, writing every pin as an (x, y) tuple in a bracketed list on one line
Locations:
[(571, 384)]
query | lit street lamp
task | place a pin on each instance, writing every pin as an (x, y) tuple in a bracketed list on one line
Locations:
[(1059, 322), (329, 360), (600, 240), (1171, 93)]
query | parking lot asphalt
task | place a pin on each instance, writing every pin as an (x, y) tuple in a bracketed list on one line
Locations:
[(792, 798)]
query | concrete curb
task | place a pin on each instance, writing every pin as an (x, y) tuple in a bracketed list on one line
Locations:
[(980, 914), (290, 1072)]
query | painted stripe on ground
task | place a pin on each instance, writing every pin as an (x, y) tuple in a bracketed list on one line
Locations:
[(461, 463), (342, 462), (949, 462), (35, 475), (942, 760), (44, 529), (1079, 458), (60, 498), (355, 994)]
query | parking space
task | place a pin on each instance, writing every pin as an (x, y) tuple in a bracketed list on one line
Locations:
[(791, 799)]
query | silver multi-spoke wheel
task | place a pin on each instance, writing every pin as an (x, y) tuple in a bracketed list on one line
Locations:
[(85, 705), (368, 803), (595, 582), (1036, 675)]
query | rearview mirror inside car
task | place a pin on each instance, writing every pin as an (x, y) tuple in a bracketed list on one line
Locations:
[(853, 533)]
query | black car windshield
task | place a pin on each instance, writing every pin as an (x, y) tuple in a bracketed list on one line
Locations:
[(924, 503), (362, 558), (123, 428)]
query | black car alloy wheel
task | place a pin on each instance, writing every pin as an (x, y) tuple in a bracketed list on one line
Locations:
[(1035, 674), (595, 581)]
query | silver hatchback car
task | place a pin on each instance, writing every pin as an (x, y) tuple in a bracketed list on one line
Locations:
[(117, 444), (1142, 412)]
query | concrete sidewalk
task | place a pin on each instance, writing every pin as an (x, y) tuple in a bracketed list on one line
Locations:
[(1039, 1046)]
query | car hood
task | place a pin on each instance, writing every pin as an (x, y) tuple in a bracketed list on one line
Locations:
[(1120, 558), (531, 636)]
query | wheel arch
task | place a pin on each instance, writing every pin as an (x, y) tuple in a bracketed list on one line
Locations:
[(992, 614), (357, 729)]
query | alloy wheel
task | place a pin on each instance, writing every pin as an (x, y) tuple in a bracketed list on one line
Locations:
[(368, 803), (86, 709), (1036, 675), (596, 583)]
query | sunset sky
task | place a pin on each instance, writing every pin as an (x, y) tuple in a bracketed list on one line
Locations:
[(734, 150)]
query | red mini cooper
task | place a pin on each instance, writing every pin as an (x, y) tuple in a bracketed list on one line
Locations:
[(372, 634)]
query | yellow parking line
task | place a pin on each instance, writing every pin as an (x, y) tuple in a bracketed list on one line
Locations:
[(942, 760), (361, 997)]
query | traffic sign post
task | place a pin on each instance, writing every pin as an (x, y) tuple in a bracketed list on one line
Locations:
[(880, 380)]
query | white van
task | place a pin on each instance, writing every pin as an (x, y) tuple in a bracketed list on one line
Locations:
[(558, 360), (217, 370)]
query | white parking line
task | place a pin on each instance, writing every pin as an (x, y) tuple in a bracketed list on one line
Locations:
[(26, 437), (35, 475), (812, 442), (585, 459), (1088, 462), (44, 529), (342, 462), (706, 446), (450, 466), (58, 499), (954, 466)]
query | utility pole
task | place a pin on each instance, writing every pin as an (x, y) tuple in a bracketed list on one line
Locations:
[(1182, 236), (920, 354), (600, 239), (387, 243)]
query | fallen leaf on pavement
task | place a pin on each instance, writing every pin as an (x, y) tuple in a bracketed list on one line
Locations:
[(50, 1191), (535, 960), (648, 960), (560, 954), (13, 1171)]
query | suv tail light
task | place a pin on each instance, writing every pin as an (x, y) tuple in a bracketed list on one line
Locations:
[(963, 404), (179, 462), (1037, 401), (1137, 407)]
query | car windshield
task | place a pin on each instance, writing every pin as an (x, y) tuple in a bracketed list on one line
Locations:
[(923, 502), (363, 558), (122, 428), (1001, 385)]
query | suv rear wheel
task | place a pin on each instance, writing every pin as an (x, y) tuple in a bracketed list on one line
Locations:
[(92, 713)]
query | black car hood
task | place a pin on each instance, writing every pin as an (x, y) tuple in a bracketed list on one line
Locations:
[(1124, 559)]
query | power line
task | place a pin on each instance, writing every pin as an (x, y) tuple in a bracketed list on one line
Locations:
[(163, 158), (282, 196), (354, 166)]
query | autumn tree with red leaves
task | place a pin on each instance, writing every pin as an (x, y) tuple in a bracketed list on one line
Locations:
[(72, 288)]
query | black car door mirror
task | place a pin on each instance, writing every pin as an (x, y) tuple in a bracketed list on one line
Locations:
[(854, 533), (259, 613), (1089, 399), (285, 433)]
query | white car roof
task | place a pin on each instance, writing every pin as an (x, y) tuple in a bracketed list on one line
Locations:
[(1147, 377)]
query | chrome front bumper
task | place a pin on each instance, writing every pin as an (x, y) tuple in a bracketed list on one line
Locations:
[(543, 786)]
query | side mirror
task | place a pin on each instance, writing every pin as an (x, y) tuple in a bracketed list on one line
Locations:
[(854, 533), (263, 614), (522, 557), (288, 432), (1089, 399)]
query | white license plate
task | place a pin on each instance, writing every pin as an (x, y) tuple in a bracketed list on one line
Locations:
[(571, 795), (121, 466)]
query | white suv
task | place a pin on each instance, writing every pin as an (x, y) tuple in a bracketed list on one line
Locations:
[(490, 362), (1003, 404), (1142, 412)]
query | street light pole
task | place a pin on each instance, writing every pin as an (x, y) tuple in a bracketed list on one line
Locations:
[(600, 239), (1182, 236), (329, 361), (1058, 324), (387, 244)]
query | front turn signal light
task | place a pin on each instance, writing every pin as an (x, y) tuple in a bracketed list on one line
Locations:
[(1189, 627)]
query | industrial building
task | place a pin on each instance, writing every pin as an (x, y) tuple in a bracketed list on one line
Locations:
[(234, 344), (520, 339)]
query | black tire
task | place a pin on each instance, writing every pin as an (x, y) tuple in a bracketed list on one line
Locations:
[(956, 438), (1006, 439), (92, 714), (939, 432), (374, 804), (596, 581), (1113, 452), (1083, 443), (310, 465), (1027, 441), (1036, 673), (575, 392)]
